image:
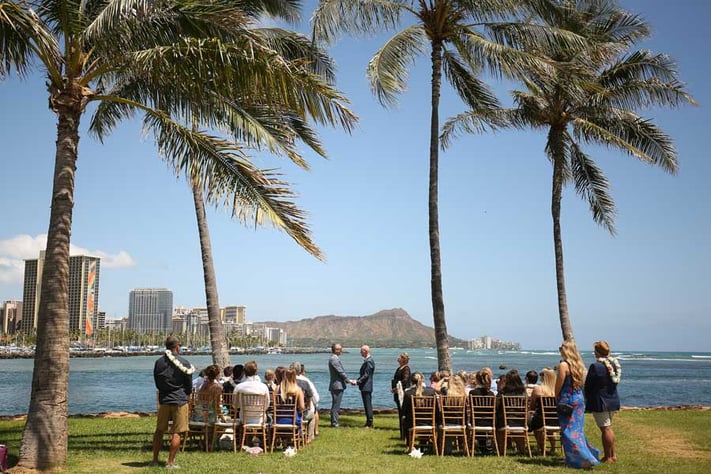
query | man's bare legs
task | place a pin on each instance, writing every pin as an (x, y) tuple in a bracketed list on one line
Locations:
[(173, 450), (608, 444)]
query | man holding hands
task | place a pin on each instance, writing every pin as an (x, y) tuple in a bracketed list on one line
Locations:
[(365, 383)]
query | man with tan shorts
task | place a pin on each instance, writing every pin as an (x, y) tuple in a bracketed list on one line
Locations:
[(173, 379)]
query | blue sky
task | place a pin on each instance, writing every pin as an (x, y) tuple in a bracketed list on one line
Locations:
[(645, 289)]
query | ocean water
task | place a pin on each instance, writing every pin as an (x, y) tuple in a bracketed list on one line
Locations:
[(126, 383)]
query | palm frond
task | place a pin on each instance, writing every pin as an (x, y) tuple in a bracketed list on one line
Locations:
[(475, 92), (24, 35), (334, 17), (592, 185), (228, 178), (474, 123), (388, 68), (632, 134)]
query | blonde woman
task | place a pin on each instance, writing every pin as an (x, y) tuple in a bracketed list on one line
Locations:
[(569, 383), (289, 392), (418, 388), (545, 389)]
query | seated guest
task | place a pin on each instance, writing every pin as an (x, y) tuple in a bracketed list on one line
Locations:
[(545, 389), (252, 385), (510, 384), (197, 381), (455, 386), (227, 385), (237, 374), (308, 388), (270, 380), (208, 403), (435, 381), (417, 389), (531, 381), (289, 392), (494, 384), (483, 383)]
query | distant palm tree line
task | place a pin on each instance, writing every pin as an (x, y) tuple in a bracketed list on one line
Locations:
[(181, 65)]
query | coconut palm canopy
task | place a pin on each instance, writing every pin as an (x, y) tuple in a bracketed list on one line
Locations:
[(180, 65), (591, 95)]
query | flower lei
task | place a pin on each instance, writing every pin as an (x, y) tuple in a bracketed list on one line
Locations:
[(178, 364), (616, 371)]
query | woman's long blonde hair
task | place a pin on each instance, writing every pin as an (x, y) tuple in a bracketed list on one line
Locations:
[(288, 386), (418, 380), (548, 382), (570, 354)]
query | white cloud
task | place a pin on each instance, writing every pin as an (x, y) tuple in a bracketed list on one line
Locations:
[(14, 251)]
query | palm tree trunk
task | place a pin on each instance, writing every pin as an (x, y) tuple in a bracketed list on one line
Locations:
[(45, 436), (220, 354), (440, 323), (557, 149)]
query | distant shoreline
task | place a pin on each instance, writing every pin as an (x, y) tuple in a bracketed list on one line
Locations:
[(103, 354)]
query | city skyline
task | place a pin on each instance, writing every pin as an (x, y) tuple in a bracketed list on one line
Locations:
[(645, 289)]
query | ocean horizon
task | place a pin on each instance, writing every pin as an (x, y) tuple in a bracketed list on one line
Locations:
[(105, 384)]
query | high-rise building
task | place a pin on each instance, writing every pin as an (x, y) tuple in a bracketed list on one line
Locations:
[(234, 314), (150, 310), (10, 315), (84, 272)]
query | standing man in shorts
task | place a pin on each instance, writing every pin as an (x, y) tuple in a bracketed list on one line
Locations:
[(173, 378), (601, 398)]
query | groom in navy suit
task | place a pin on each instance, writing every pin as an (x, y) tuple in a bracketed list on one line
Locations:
[(365, 383)]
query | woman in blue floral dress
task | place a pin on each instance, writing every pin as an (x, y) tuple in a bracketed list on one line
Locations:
[(569, 383)]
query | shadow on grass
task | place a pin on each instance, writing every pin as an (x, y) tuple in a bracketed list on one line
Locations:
[(140, 464), (540, 461)]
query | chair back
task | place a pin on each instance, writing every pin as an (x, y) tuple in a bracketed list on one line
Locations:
[(453, 410), (515, 411), (252, 408), (549, 411), (284, 412), (423, 410), (228, 405), (483, 411), (201, 404)]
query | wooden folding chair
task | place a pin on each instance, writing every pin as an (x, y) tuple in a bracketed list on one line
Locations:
[(482, 412), (200, 425), (453, 412), (423, 421), (229, 422), (253, 416), (551, 426), (515, 420), (285, 423)]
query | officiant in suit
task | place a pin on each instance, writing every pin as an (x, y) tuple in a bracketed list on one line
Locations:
[(337, 383)]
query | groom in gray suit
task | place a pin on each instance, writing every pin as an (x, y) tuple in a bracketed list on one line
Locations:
[(338, 382)]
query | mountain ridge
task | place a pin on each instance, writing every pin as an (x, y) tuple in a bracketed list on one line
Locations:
[(385, 328)]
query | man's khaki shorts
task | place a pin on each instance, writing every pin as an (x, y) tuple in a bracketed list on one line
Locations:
[(179, 415), (603, 418)]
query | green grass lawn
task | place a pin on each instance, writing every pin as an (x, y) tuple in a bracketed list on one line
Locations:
[(647, 441)]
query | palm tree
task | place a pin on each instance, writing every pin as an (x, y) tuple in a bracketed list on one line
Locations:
[(162, 59), (590, 97), (260, 121), (453, 33)]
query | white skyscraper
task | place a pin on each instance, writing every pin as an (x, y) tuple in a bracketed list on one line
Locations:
[(150, 310)]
